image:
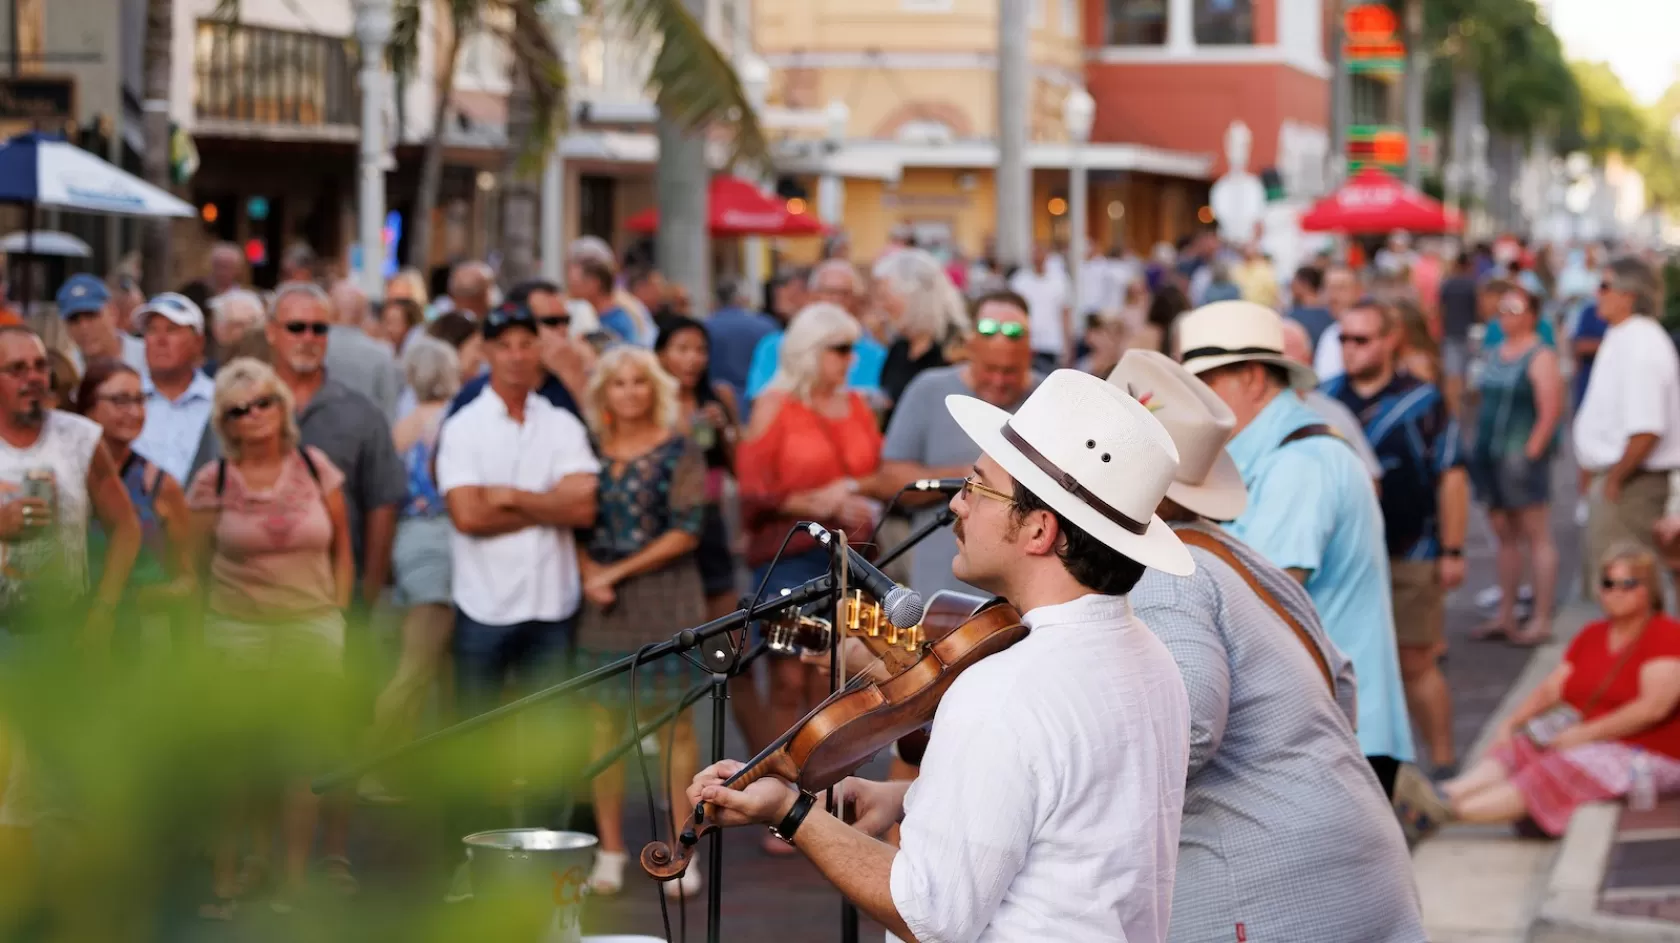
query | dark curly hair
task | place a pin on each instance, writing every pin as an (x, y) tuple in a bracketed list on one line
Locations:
[(1088, 560)]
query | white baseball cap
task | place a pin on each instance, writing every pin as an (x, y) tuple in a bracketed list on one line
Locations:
[(177, 308)]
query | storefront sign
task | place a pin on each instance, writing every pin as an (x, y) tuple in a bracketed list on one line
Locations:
[(37, 99), (1371, 46)]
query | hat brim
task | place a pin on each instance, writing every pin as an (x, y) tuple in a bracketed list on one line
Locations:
[(79, 307), (1301, 376), (144, 313), (1221, 496), (1157, 548)]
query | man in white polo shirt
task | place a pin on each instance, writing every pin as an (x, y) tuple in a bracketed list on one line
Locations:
[(1627, 430), (518, 475)]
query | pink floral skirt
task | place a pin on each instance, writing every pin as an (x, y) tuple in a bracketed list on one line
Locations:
[(1554, 783)]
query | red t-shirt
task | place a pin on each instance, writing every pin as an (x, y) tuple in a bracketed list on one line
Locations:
[(803, 450), (1591, 661)]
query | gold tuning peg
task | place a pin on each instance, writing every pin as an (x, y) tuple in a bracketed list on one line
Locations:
[(912, 638)]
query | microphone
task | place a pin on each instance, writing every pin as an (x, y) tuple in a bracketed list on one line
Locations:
[(945, 486), (902, 605)]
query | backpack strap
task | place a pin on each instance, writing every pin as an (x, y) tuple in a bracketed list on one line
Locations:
[(221, 476), (309, 463), (150, 481), (1308, 432), (1218, 547)]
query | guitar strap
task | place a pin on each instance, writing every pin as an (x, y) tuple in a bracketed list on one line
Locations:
[(1218, 547)]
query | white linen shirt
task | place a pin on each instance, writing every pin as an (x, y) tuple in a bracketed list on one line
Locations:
[(1047, 295), (1634, 389), (175, 428), (529, 575), (1048, 803)]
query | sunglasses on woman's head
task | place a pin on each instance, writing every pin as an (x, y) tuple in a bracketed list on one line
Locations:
[(318, 328), (992, 327), (246, 409), (1629, 584)]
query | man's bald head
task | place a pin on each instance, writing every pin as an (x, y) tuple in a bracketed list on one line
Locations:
[(1297, 343), (349, 303), (469, 286)]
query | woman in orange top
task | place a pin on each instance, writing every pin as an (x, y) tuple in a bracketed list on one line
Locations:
[(810, 441), (1620, 683)]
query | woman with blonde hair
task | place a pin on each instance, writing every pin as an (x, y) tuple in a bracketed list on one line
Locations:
[(1607, 717), (1420, 353), (926, 311), (641, 582), (270, 522), (810, 441), (408, 285)]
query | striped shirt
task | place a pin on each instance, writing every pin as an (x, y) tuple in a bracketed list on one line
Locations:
[(1286, 832)]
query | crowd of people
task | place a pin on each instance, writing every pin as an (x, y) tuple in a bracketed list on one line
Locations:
[(540, 481)]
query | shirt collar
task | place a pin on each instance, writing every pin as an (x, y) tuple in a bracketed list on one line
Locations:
[(201, 388), (1089, 608), (1283, 415)]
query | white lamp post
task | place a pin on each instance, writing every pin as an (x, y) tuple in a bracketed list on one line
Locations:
[(1079, 110), (373, 32), (754, 73), (560, 18), (831, 189)]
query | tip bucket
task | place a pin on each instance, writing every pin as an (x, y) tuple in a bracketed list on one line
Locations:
[(534, 879)]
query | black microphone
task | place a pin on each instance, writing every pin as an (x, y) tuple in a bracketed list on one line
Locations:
[(902, 605), (945, 486)]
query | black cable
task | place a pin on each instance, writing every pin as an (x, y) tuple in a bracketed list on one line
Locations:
[(641, 763), (682, 896)]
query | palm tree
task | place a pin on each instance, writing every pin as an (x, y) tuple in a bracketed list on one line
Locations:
[(404, 55), (154, 248)]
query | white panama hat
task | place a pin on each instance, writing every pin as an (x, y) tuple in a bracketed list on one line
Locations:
[(1199, 423), (1093, 454), (1228, 332)]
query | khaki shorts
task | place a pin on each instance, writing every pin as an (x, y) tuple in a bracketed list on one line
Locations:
[(1420, 611)]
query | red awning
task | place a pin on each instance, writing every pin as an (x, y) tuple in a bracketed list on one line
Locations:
[(736, 208), (1374, 202)]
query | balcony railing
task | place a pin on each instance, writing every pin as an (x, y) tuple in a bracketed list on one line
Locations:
[(249, 74)]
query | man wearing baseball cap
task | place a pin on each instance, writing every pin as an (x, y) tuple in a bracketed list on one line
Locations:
[(178, 395), (90, 316), (1311, 508), (1049, 800)]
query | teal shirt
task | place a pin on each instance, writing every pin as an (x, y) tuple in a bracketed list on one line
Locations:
[(1311, 507), (1496, 335)]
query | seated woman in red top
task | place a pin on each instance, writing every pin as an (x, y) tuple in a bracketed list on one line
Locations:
[(810, 441), (1614, 698)]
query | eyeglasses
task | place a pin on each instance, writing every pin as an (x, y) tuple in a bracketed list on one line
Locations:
[(1512, 307), (122, 400), (556, 321), (318, 328), (1358, 340), (1605, 286), (23, 368), (991, 327), (972, 487), (1630, 583), (246, 409), (844, 350)]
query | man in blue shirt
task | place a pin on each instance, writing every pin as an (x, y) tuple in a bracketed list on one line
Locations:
[(1589, 333), (1311, 508), (734, 332), (1425, 500), (836, 282)]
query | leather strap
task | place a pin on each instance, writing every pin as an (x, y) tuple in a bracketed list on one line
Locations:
[(1307, 432), (1218, 547), (1071, 485)]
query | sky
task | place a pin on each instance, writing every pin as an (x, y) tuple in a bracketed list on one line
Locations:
[(1639, 38)]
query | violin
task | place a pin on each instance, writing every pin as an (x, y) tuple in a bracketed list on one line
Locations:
[(873, 710)]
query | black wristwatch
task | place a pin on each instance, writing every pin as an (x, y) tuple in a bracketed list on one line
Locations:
[(1452, 553), (796, 815)]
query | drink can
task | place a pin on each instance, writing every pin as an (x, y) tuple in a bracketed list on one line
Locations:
[(39, 483)]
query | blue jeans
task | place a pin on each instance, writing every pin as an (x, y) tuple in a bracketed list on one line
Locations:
[(534, 654)]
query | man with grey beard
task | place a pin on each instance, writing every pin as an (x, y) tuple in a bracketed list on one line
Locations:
[(54, 469)]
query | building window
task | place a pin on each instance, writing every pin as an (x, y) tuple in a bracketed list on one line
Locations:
[(1137, 22), (271, 76), (1225, 22)]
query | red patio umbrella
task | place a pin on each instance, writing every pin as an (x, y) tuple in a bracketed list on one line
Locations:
[(1374, 202), (736, 208)]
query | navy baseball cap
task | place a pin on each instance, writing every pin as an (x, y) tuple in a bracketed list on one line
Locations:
[(80, 294), (508, 314)]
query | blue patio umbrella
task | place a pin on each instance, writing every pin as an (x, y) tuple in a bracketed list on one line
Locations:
[(39, 170)]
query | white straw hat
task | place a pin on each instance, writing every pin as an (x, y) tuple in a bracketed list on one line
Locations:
[(1228, 332), (1199, 423), (1093, 454)]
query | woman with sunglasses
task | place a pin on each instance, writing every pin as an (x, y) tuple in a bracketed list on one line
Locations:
[(1607, 716), (1510, 463), (111, 395), (811, 440), (270, 522)]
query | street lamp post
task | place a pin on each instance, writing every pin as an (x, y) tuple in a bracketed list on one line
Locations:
[(831, 188), (1078, 111), (373, 31), (755, 82), (560, 17)]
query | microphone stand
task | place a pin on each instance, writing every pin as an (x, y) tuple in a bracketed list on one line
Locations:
[(942, 519)]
